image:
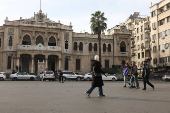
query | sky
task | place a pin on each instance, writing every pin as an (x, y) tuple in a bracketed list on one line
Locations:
[(76, 11)]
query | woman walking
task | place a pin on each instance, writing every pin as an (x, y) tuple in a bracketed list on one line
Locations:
[(97, 78)]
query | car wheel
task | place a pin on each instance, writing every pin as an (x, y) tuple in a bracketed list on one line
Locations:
[(88, 79), (32, 78), (78, 79), (15, 79), (113, 79)]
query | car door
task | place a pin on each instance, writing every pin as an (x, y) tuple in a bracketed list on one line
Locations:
[(25, 76), (72, 75), (104, 77), (19, 75)]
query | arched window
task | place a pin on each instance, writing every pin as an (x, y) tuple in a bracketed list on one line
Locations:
[(95, 47), (52, 41), (66, 44), (90, 46), (26, 40), (104, 47), (81, 46), (122, 46), (39, 40), (10, 41), (75, 46), (109, 47)]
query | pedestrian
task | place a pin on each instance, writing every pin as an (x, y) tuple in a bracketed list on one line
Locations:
[(125, 72), (145, 75), (60, 76), (135, 74), (96, 78), (132, 83)]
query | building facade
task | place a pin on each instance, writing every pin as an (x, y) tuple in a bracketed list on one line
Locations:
[(24, 42)]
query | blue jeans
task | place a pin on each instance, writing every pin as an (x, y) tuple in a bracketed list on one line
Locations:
[(92, 88), (136, 79), (132, 83), (125, 80)]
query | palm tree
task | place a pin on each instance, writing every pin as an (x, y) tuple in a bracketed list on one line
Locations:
[(98, 26)]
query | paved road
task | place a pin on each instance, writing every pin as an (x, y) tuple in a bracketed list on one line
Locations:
[(55, 97)]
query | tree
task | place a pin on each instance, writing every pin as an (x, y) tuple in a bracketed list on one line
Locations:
[(98, 26)]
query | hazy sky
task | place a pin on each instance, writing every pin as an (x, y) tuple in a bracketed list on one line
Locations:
[(76, 11)]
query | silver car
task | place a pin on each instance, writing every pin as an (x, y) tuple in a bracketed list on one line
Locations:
[(22, 76)]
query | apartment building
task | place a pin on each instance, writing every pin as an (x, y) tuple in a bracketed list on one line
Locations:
[(160, 36)]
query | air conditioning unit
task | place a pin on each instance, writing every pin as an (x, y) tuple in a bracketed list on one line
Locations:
[(153, 41)]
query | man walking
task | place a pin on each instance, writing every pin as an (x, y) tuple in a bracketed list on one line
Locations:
[(125, 72), (132, 77), (135, 74), (145, 75)]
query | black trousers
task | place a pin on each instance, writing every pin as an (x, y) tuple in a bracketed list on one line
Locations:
[(61, 78), (146, 80)]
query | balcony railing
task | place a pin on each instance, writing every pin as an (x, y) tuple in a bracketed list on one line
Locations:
[(123, 54), (38, 47), (147, 29)]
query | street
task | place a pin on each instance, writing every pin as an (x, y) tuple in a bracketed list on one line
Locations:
[(55, 97)]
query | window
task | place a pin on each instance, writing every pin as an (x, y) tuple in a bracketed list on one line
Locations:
[(104, 47), (26, 40), (154, 49), (142, 54), (154, 26), (137, 30), (168, 6), (161, 22), (169, 59), (10, 41), (141, 28), (77, 64), (95, 47), (154, 37), (155, 61), (109, 47), (9, 62), (52, 41), (122, 46), (66, 63), (163, 60), (161, 10), (66, 44), (168, 19), (141, 37), (139, 64), (159, 47), (0, 42), (90, 46), (106, 63), (138, 55), (138, 38), (81, 46), (138, 46), (168, 32), (153, 13), (39, 40), (75, 46)]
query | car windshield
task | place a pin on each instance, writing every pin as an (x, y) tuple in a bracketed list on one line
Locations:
[(49, 72)]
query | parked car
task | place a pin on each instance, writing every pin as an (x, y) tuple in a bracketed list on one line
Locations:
[(22, 76), (2, 76), (119, 76), (47, 75), (72, 75), (109, 77), (88, 76), (166, 78)]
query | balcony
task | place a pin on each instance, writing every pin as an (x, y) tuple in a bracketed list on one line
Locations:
[(147, 39), (39, 47), (147, 47), (147, 30), (123, 53)]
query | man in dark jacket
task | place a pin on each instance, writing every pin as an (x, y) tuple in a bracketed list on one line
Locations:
[(96, 78), (135, 73), (132, 78), (145, 75)]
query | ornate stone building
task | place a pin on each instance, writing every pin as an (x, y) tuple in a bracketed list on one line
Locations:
[(24, 42)]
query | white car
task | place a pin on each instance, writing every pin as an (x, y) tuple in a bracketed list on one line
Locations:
[(88, 76), (2, 76), (71, 75), (47, 75), (166, 78), (22, 76), (109, 77)]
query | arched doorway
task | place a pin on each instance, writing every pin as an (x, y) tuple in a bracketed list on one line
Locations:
[(25, 62), (52, 41), (52, 61), (39, 58), (26, 40), (122, 46), (39, 40)]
